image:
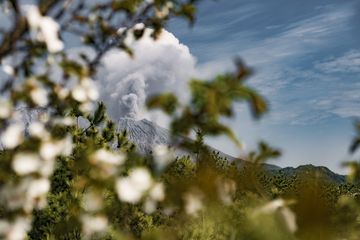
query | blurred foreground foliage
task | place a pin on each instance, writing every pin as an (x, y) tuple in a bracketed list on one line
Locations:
[(69, 173)]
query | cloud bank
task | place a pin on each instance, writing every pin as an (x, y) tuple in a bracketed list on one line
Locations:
[(164, 65)]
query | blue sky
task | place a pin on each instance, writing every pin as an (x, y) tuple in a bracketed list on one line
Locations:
[(306, 56)]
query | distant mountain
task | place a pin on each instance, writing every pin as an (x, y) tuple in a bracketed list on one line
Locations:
[(146, 134), (313, 171)]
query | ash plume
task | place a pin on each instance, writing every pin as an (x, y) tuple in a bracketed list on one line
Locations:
[(164, 65)]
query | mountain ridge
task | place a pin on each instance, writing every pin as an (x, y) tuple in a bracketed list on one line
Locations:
[(146, 135)]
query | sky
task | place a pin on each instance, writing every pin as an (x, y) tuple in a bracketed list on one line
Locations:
[(306, 57), (306, 61)]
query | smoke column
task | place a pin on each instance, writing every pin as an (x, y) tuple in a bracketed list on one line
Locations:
[(164, 65)]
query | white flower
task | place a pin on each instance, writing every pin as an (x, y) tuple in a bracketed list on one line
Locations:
[(139, 26), (67, 145), (28, 194), (67, 121), (226, 189), (85, 91), (33, 16), (44, 28), (86, 107), (49, 29), (18, 230), (131, 189), (193, 203), (141, 178), (25, 163), (121, 31), (39, 96), (157, 192), (79, 93), (63, 93), (12, 136), (5, 108), (162, 155), (37, 129), (94, 224), (38, 188), (51, 149), (47, 168), (36, 194), (9, 70), (273, 206), (92, 201), (107, 157), (127, 192), (280, 206), (150, 206)]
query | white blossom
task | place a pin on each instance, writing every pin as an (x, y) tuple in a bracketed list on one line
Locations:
[(25, 163), (121, 31), (63, 93), (107, 157), (126, 191), (162, 155), (157, 192), (226, 189), (86, 107), (33, 16), (193, 203), (38, 188), (85, 91), (79, 93), (279, 206), (139, 26), (53, 148), (92, 201), (28, 194), (94, 224), (44, 28), (131, 189), (5, 108), (37, 129), (39, 96), (12, 136), (36, 192), (49, 29), (18, 229), (150, 206), (9, 70), (67, 121)]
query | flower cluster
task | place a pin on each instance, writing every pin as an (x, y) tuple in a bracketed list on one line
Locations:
[(44, 28)]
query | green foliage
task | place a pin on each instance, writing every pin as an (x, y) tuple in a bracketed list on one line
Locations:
[(166, 102), (60, 179)]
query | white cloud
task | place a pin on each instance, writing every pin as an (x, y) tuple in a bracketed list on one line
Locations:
[(164, 65), (348, 63)]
